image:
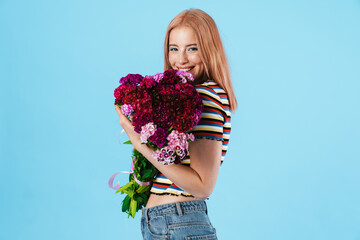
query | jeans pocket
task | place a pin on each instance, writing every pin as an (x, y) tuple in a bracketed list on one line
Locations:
[(193, 230), (142, 226), (157, 227), (207, 237)]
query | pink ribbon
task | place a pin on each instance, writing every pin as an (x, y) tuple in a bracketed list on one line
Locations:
[(120, 135), (117, 186)]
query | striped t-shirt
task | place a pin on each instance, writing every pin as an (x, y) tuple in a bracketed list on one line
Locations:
[(215, 123)]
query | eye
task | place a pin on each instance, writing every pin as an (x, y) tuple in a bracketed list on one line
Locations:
[(173, 49), (193, 49)]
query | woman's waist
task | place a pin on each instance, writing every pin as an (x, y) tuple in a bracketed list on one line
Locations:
[(156, 200), (167, 206)]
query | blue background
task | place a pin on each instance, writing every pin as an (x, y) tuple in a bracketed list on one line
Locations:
[(292, 168)]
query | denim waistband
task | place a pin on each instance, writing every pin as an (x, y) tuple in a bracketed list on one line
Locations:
[(178, 207)]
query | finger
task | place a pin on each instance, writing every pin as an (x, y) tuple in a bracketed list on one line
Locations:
[(123, 119), (118, 110)]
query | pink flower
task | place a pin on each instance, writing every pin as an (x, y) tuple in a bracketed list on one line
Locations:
[(157, 77), (147, 131), (190, 136), (179, 142), (157, 103), (185, 76), (176, 138), (127, 109), (165, 156)]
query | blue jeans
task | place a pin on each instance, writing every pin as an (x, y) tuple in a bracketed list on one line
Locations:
[(181, 220)]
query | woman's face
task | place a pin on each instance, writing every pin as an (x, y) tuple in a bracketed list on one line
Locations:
[(184, 51)]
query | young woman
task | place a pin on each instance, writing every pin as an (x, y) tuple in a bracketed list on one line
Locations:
[(176, 208)]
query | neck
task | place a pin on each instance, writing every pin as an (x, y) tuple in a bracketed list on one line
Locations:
[(201, 79)]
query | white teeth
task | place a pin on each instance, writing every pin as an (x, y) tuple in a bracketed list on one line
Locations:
[(185, 69)]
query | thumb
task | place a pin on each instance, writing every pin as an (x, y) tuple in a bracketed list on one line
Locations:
[(118, 110)]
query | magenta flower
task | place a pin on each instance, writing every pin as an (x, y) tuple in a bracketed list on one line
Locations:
[(157, 103), (148, 82), (159, 137), (131, 79), (157, 77), (163, 108), (185, 76)]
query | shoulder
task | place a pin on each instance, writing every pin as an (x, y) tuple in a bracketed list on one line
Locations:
[(214, 96), (215, 117), (208, 89)]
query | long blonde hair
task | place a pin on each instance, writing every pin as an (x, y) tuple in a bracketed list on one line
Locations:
[(212, 52)]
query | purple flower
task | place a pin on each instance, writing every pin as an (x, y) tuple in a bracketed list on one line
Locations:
[(157, 77), (185, 76), (159, 137), (127, 109), (165, 156), (131, 79)]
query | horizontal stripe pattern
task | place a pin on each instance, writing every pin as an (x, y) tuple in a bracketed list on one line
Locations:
[(215, 123)]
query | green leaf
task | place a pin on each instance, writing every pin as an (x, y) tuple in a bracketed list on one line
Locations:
[(142, 189), (126, 188), (133, 206), (144, 196), (131, 191), (143, 164), (128, 142), (146, 173), (126, 204), (137, 197)]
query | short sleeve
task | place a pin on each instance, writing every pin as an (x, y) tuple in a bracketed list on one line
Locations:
[(213, 115)]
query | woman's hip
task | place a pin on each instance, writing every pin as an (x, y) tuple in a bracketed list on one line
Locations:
[(180, 220)]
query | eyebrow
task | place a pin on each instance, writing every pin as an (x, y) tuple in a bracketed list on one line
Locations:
[(185, 46)]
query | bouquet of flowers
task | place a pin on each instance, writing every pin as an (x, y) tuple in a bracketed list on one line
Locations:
[(162, 109)]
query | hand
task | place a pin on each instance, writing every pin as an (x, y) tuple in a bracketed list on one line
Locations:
[(128, 128)]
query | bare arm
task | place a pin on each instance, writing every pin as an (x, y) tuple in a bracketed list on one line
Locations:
[(200, 178)]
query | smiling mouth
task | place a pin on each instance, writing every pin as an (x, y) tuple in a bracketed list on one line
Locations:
[(185, 69)]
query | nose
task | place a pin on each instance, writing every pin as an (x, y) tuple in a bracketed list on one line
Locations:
[(183, 57)]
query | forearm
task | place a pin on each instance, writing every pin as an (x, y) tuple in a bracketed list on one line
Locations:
[(200, 178), (183, 176)]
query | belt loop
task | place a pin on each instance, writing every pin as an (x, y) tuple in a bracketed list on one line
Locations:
[(146, 215), (206, 208), (178, 208)]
